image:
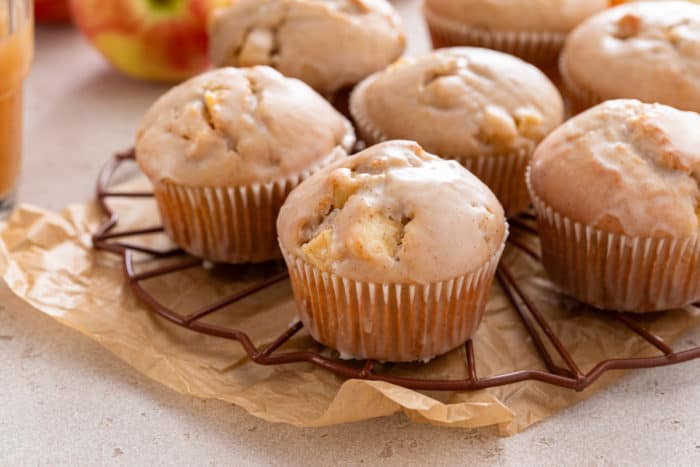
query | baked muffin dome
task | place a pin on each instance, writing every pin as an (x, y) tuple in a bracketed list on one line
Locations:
[(329, 44), (624, 167), (467, 104), (617, 191), (225, 148), (393, 213), (392, 252), (236, 126), (534, 30), (460, 102), (655, 46), (518, 15)]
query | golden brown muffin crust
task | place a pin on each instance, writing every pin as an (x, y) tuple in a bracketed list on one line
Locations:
[(236, 126), (517, 15), (328, 44), (624, 167), (461, 102), (646, 51), (393, 214)]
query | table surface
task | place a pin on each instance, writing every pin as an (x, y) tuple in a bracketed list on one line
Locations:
[(68, 401)]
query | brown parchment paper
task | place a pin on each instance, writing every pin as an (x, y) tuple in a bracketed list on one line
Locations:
[(47, 260)]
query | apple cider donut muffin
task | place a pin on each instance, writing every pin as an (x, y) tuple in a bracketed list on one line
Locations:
[(617, 191), (329, 44), (392, 252), (486, 109), (646, 51), (225, 148), (534, 30)]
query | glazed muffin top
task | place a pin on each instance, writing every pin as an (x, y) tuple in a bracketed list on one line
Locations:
[(329, 44), (393, 214), (655, 46), (460, 102), (236, 126), (624, 167), (517, 15)]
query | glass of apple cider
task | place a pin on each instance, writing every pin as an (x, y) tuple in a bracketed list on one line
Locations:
[(16, 51)]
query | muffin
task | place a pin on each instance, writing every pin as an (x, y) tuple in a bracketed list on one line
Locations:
[(225, 148), (534, 30), (646, 51), (616, 191), (486, 109), (392, 252), (329, 44)]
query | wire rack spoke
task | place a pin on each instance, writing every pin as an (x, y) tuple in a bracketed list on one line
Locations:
[(133, 233), (649, 337), (528, 215), (124, 247), (529, 326), (368, 369), (291, 332), (126, 194), (513, 289), (188, 263), (524, 248), (521, 225), (238, 296), (470, 361), (107, 239)]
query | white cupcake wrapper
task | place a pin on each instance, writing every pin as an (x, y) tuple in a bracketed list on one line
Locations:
[(227, 224), (390, 322), (540, 47), (579, 98), (618, 272), (504, 173)]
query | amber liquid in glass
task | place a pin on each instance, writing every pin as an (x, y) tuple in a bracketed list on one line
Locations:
[(16, 49)]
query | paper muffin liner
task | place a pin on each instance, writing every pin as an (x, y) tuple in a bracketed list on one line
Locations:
[(504, 174), (579, 97), (235, 224), (539, 47), (366, 130), (618, 272), (390, 322)]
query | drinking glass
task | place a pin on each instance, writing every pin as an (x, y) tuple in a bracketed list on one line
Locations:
[(16, 51)]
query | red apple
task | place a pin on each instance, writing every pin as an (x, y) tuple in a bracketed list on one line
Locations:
[(158, 40), (51, 11)]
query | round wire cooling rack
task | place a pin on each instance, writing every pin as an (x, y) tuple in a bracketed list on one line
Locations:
[(548, 346)]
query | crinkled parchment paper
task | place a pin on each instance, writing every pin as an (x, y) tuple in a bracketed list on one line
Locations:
[(47, 260)]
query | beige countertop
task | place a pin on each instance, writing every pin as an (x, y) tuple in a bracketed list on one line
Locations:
[(67, 401)]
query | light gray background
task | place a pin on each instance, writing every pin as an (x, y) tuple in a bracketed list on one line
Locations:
[(65, 400)]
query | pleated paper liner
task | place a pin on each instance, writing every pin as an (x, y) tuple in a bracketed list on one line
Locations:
[(390, 322), (538, 47), (227, 224), (34, 245), (579, 98), (504, 174), (614, 271)]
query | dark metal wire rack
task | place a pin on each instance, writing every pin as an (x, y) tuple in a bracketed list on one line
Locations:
[(568, 376)]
